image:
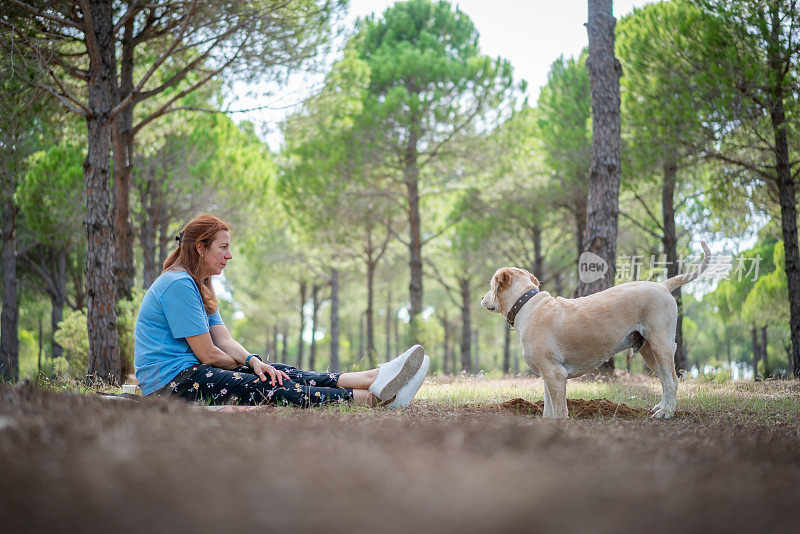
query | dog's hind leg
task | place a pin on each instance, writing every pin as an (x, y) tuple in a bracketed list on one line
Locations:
[(659, 357), (647, 356)]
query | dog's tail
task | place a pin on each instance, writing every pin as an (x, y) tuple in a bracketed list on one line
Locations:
[(677, 281)]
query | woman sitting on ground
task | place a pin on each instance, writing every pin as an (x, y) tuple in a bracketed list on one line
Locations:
[(183, 349)]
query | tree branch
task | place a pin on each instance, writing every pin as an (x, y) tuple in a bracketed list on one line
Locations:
[(88, 32), (169, 50), (133, 9), (38, 13), (82, 110), (733, 161), (166, 107), (395, 234), (639, 225), (647, 209), (50, 286), (433, 272)]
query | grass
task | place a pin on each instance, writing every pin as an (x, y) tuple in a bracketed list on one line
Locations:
[(766, 403)]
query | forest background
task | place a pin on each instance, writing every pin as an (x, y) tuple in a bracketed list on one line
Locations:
[(415, 171)]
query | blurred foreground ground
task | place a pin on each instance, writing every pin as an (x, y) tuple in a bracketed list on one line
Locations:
[(455, 461)]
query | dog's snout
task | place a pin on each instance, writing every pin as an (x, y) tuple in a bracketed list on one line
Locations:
[(486, 303)]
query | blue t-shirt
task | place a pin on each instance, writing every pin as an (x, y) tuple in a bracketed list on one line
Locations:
[(171, 311)]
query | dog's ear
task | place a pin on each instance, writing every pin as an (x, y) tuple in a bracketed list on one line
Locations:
[(503, 277), (535, 281)]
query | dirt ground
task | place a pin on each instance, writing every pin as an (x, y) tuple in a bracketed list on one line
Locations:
[(75, 463)]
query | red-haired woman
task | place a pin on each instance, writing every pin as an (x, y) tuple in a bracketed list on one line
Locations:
[(182, 347)]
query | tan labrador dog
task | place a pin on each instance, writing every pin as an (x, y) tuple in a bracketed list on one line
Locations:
[(564, 338)]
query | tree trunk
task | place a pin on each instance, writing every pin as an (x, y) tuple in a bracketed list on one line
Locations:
[(756, 351), (670, 242), (371, 352), (78, 276), (466, 328), (100, 285), (506, 350), (728, 346), (538, 259), (514, 358), (9, 331), (124, 269), (39, 352), (334, 358), (411, 177), (786, 198), (165, 241), (147, 232), (445, 345), (274, 354), (579, 215), (300, 342), (477, 357), (361, 320), (388, 326), (600, 235), (312, 352), (285, 347), (396, 336), (451, 349), (58, 299)]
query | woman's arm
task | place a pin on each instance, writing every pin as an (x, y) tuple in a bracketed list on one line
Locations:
[(224, 341), (208, 353), (234, 350)]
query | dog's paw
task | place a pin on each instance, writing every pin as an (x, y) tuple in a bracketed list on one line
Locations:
[(662, 413)]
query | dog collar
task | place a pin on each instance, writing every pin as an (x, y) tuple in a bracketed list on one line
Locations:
[(512, 313)]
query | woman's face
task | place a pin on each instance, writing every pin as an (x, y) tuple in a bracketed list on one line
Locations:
[(214, 257)]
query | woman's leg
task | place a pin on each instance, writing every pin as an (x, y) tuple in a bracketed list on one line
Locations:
[(219, 386), (365, 398), (358, 380)]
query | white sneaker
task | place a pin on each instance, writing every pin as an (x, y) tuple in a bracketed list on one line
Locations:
[(395, 374), (407, 392)]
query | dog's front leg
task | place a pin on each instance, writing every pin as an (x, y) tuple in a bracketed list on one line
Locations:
[(548, 403), (555, 388)]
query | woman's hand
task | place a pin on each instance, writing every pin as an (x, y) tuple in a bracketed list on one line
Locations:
[(263, 369)]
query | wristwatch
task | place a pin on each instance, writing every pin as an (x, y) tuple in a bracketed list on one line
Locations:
[(247, 360)]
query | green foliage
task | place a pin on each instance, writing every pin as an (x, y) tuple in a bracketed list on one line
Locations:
[(28, 347), (127, 311), (51, 197), (325, 171), (233, 160), (73, 337), (563, 121), (428, 79), (767, 303), (731, 295), (657, 87)]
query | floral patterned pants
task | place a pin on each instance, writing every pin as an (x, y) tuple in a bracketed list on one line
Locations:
[(242, 386)]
